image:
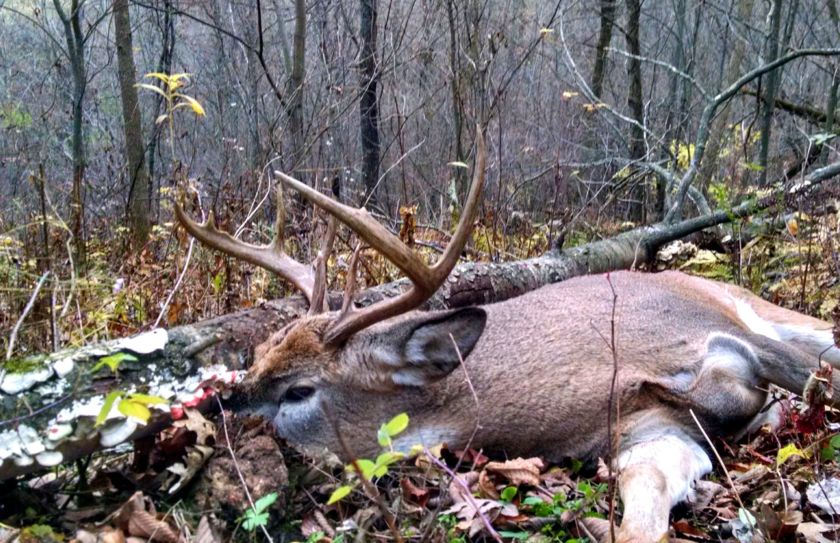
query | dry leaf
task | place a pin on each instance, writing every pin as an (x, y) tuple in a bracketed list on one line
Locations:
[(812, 532), (413, 493), (138, 519), (519, 471), (486, 486), (205, 533)]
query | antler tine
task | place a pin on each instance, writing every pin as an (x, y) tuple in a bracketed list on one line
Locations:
[(367, 228), (270, 257), (350, 322), (318, 303), (350, 285), (443, 267)]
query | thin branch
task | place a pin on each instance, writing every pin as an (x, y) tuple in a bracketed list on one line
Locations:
[(23, 315), (708, 115)]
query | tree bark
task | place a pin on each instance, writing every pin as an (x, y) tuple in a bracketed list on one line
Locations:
[(139, 209), (771, 87), (369, 104), (296, 81), (227, 342), (634, 101), (456, 89), (74, 37), (604, 38)]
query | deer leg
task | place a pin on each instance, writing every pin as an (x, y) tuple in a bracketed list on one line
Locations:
[(654, 475)]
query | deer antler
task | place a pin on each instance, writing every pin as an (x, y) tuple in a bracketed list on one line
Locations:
[(270, 257), (425, 279)]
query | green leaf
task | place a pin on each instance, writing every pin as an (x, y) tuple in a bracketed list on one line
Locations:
[(754, 167), (367, 467), (533, 500), (339, 494), (113, 361), (396, 425), (106, 407), (508, 493), (265, 502), (382, 437), (835, 442), (134, 410), (254, 520), (516, 536)]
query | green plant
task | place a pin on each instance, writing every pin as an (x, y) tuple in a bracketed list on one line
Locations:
[(257, 516), (366, 468), (174, 100), (132, 405)]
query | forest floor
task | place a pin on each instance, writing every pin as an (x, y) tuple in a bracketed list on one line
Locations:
[(188, 483)]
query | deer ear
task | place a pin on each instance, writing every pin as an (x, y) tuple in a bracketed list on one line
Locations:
[(429, 350)]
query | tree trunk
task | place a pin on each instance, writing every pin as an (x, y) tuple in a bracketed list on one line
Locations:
[(296, 81), (604, 39), (369, 104), (138, 195), (733, 70), (74, 38), (771, 87), (456, 89), (634, 102), (164, 65)]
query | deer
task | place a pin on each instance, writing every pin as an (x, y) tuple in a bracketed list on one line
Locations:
[(532, 375)]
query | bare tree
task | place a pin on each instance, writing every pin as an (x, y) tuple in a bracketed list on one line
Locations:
[(75, 39), (138, 195), (369, 104)]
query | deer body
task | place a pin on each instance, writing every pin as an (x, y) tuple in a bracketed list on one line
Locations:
[(538, 370), (542, 369)]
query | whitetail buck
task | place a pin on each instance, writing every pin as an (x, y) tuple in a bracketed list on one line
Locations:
[(541, 364)]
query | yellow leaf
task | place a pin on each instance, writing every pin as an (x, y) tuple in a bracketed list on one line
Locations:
[(135, 410), (568, 95), (788, 451), (544, 31), (158, 75), (150, 88), (458, 164), (193, 103)]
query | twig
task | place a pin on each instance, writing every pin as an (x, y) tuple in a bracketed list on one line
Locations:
[(467, 493), (613, 402), (236, 465), (719, 459), (23, 315), (368, 486)]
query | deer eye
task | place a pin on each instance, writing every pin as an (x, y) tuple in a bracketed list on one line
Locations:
[(297, 394)]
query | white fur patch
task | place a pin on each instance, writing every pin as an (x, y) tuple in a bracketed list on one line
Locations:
[(409, 377), (732, 354), (752, 321), (678, 458), (821, 341)]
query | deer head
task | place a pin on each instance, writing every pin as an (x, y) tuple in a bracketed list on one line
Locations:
[(335, 364)]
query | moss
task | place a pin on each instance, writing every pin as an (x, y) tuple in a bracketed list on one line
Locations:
[(39, 533), (25, 364)]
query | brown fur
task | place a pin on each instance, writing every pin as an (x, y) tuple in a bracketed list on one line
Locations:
[(541, 370)]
